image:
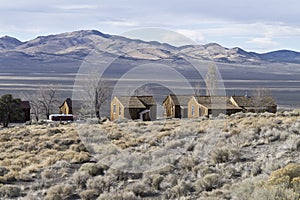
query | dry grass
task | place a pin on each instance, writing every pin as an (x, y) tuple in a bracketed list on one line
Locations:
[(172, 159)]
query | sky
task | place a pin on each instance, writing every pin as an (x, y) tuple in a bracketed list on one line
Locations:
[(256, 25)]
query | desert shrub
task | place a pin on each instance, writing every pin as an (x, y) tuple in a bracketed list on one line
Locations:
[(169, 181), (80, 178), (124, 195), (101, 184), (53, 131), (188, 163), (243, 191), (81, 157), (93, 121), (154, 180), (48, 174), (208, 182), (60, 192), (282, 184), (141, 190), (78, 147), (287, 177), (274, 192), (93, 169), (296, 145), (32, 195), (222, 155), (183, 188), (88, 194), (115, 135), (3, 171), (10, 191), (61, 164), (125, 175), (256, 169)]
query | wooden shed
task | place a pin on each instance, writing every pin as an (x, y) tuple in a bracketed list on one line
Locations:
[(255, 104), (25, 107), (66, 108), (133, 107), (211, 105), (24, 115), (176, 106)]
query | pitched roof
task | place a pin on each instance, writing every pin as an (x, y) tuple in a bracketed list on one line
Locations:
[(263, 101), (181, 100), (68, 101), (131, 102), (25, 105), (147, 100), (216, 102)]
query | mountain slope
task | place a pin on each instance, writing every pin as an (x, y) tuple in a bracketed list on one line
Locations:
[(281, 56), (7, 43), (78, 44)]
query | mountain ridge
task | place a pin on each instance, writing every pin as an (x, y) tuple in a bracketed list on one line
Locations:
[(79, 43)]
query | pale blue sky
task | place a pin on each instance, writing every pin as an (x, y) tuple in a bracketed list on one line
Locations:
[(256, 25)]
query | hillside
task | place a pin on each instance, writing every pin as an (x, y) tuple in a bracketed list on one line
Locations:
[(78, 44), (244, 156)]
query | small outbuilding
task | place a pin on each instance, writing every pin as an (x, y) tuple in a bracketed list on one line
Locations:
[(24, 114), (176, 106), (133, 107), (66, 108), (211, 105), (25, 107)]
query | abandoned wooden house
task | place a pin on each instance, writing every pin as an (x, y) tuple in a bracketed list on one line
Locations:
[(176, 106), (66, 108), (255, 104), (25, 106), (211, 105), (24, 115), (133, 107)]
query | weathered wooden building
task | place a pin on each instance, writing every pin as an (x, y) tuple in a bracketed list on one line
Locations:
[(24, 114), (255, 104), (211, 105), (176, 106), (67, 107), (133, 107), (25, 107)]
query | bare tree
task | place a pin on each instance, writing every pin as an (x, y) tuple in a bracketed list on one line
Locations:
[(47, 99), (211, 80), (144, 90), (262, 97), (197, 89), (94, 95)]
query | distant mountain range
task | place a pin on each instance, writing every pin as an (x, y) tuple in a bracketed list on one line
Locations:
[(76, 45)]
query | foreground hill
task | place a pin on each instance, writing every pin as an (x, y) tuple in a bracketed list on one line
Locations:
[(244, 156)]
